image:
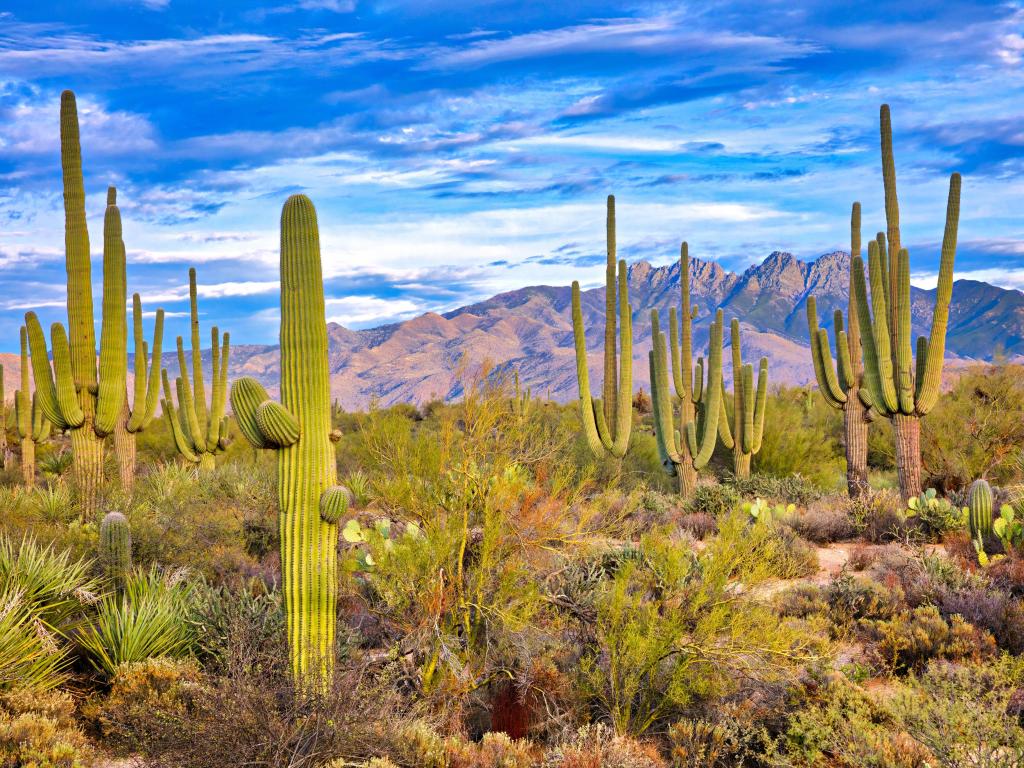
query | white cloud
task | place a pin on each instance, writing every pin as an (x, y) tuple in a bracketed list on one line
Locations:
[(352, 310)]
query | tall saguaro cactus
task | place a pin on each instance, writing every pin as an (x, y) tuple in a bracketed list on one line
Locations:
[(608, 421), (748, 407), (840, 387), (138, 415), (299, 429), (74, 396), (688, 450), (32, 426), (5, 449), (200, 433), (896, 385)]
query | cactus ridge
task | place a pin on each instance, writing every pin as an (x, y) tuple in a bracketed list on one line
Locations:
[(115, 546), (607, 422), (979, 504)]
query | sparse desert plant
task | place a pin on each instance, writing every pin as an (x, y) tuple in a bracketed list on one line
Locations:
[(39, 730)]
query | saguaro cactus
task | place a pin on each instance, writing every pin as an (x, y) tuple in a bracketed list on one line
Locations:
[(5, 449), (607, 422), (299, 429), (116, 547), (521, 399), (200, 433), (33, 427), (73, 395), (686, 450), (748, 408), (896, 386), (840, 387), (979, 505)]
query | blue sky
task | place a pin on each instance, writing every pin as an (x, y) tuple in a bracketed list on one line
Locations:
[(455, 150)]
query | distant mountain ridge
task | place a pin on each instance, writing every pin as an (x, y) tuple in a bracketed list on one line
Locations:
[(530, 329)]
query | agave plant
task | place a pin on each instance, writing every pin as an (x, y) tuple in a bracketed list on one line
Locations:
[(54, 503), (55, 465), (30, 656), (147, 619), (54, 588)]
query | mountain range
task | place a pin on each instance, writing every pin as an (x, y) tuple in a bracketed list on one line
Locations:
[(530, 330)]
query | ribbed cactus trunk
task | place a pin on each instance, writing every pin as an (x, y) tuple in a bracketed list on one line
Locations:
[(307, 468), (125, 451), (907, 434), (24, 411), (28, 462), (855, 430), (5, 449), (300, 430)]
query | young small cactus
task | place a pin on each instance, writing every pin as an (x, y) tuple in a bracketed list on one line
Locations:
[(116, 547), (979, 504)]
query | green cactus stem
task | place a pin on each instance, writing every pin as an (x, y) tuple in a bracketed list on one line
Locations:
[(521, 399), (74, 395), (608, 422), (32, 426), (840, 386), (116, 547), (979, 505), (200, 433), (748, 407), (299, 429), (687, 449), (896, 385), (5, 448)]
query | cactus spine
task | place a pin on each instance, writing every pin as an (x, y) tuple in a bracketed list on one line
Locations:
[(74, 396), (199, 433), (744, 438), (896, 386), (33, 427), (115, 547), (979, 504), (299, 429), (607, 422), (840, 387), (688, 449)]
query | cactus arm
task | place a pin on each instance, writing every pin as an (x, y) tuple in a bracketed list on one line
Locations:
[(112, 390), (174, 420), (712, 408), (187, 405), (747, 408), (872, 389), (852, 313), (929, 390), (76, 243), (213, 424), (822, 364), (23, 413), (847, 378), (40, 425), (67, 396), (139, 386), (585, 401), (685, 376), (624, 408), (277, 424), (724, 430), (698, 381), (609, 394), (883, 347), (674, 352), (835, 391), (920, 360), (904, 344), (247, 395), (42, 373), (155, 369), (197, 385), (225, 357), (664, 428), (760, 405), (657, 404), (892, 213)]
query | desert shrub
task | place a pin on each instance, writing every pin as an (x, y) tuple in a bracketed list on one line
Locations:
[(964, 714), (29, 654), (976, 428), (793, 488), (879, 517), (148, 618), (780, 553), (936, 515), (639, 671), (910, 639), (598, 745), (358, 483), (714, 499), (823, 523), (139, 689), (699, 524), (701, 743), (38, 730), (801, 601), (851, 599), (800, 440), (234, 625), (494, 750), (988, 609)]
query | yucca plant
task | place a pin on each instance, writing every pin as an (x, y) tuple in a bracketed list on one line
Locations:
[(55, 588), (55, 464), (147, 619), (30, 656), (55, 503), (359, 483)]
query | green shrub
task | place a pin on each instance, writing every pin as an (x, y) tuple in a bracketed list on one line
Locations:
[(910, 639), (29, 655), (715, 499), (38, 730), (800, 441)]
